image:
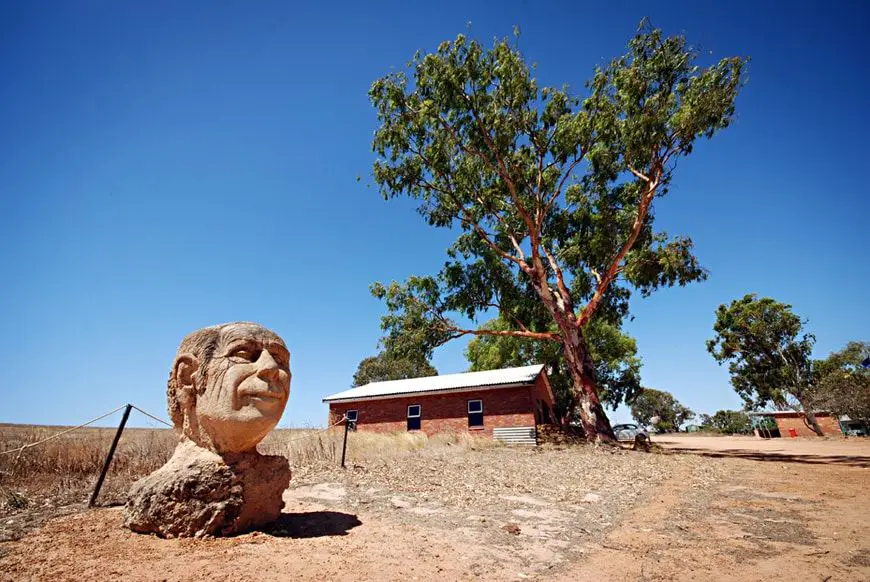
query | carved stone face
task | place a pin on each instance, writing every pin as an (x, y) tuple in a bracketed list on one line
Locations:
[(234, 391)]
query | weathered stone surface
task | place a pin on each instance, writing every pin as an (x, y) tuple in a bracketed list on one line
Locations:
[(227, 389), (199, 493)]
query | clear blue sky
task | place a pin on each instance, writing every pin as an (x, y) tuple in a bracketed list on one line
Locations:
[(170, 165)]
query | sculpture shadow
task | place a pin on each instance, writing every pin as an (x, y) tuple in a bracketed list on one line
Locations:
[(312, 524), (780, 457)]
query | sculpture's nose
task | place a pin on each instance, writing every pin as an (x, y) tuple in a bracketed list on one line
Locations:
[(267, 368)]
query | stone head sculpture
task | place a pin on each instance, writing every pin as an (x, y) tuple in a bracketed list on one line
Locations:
[(228, 386)]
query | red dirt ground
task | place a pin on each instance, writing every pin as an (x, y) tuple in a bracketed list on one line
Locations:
[(749, 510)]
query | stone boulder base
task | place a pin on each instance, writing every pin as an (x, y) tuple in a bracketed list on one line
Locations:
[(199, 493)]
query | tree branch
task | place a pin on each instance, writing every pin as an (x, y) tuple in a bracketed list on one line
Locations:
[(484, 236), (516, 319), (505, 174), (567, 303), (638, 174), (595, 274), (558, 189), (643, 209), (459, 332), (546, 336)]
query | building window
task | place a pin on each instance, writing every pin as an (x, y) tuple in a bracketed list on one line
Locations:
[(475, 413), (351, 416), (414, 412)]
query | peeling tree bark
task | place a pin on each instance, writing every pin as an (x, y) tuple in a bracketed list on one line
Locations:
[(596, 425)]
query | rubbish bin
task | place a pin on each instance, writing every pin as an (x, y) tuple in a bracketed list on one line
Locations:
[(792, 432)]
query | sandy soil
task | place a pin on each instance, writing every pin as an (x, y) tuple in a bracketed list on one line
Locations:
[(823, 450), (722, 512), (780, 509)]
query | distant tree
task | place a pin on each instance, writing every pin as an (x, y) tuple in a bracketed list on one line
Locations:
[(552, 194), (659, 409), (617, 365), (842, 383), (728, 422), (385, 367), (768, 354)]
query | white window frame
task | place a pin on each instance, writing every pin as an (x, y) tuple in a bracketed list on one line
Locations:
[(475, 411), (355, 415)]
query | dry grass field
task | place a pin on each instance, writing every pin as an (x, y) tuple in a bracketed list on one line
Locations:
[(410, 507), (58, 477), (46, 478)]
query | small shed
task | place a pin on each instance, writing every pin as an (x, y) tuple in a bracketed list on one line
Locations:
[(505, 404), (794, 424)]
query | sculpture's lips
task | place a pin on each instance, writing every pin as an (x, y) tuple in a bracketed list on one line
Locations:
[(261, 394)]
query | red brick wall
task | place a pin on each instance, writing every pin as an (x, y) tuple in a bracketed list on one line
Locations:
[(541, 391), (502, 407), (829, 425)]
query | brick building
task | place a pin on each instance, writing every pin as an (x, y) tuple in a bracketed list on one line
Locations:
[(794, 424), (505, 404)]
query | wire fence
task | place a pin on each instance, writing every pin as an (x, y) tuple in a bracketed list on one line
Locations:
[(141, 462), (69, 430), (149, 415)]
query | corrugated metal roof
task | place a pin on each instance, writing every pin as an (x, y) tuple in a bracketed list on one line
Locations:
[(491, 378)]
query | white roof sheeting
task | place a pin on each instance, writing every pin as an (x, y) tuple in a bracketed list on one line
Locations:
[(447, 382)]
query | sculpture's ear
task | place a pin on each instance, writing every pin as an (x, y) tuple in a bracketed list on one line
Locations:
[(186, 371)]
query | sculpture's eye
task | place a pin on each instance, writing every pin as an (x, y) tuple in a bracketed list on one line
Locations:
[(281, 359), (246, 354)]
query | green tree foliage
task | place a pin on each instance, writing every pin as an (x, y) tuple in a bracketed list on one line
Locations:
[(842, 384), (552, 193), (617, 365), (768, 354), (386, 366), (728, 422), (659, 409)]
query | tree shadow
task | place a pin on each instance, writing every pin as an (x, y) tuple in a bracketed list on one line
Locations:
[(848, 460), (312, 524)]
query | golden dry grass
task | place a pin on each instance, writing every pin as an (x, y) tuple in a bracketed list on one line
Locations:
[(311, 450), (64, 470)]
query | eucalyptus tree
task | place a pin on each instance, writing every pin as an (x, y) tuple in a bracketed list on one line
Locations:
[(842, 382), (552, 193), (728, 422), (386, 366), (768, 353), (660, 409), (617, 365)]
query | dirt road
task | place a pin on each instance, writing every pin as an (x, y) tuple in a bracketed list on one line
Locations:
[(855, 451), (785, 509), (731, 509)]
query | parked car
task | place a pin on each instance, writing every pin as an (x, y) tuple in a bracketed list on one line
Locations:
[(628, 432)]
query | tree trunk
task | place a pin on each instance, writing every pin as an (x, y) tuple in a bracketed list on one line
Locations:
[(813, 423), (810, 418), (596, 425)]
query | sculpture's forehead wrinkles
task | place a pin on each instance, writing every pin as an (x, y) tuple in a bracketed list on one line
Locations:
[(249, 331)]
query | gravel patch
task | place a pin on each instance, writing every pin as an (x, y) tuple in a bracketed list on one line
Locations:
[(544, 505)]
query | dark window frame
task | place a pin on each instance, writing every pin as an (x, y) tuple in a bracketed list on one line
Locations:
[(351, 422), (475, 417), (415, 422)]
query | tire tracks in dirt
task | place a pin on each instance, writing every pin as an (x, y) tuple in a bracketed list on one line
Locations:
[(744, 520)]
